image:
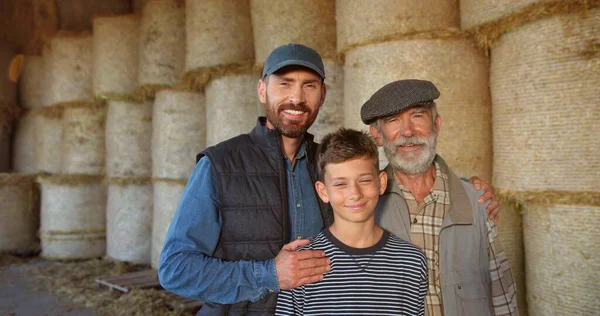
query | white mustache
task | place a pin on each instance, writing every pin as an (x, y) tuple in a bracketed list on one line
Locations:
[(410, 141)]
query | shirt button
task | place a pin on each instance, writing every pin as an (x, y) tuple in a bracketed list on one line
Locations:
[(459, 286), (298, 205), (415, 220)]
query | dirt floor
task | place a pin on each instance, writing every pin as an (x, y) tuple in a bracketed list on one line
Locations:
[(35, 286)]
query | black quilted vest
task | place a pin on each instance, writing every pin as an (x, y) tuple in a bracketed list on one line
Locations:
[(249, 173)]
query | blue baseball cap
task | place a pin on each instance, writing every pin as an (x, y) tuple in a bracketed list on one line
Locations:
[(293, 55)]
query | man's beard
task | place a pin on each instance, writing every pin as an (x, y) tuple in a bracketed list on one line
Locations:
[(290, 129), (411, 162)]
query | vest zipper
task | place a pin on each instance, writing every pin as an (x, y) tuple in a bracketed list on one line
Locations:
[(283, 185)]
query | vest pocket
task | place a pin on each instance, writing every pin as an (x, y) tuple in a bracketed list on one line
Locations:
[(472, 299)]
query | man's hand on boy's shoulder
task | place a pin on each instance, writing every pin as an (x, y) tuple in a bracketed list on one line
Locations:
[(493, 208), (296, 268)]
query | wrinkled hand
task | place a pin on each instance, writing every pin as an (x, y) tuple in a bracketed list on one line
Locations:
[(493, 208), (296, 268)]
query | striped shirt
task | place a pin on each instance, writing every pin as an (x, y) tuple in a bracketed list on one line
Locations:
[(426, 224), (388, 278)]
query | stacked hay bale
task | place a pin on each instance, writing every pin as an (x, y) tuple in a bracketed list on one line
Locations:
[(311, 23), (178, 134), (20, 213), (544, 76), (127, 136), (73, 199), (161, 60), (419, 39), (77, 15), (8, 103)]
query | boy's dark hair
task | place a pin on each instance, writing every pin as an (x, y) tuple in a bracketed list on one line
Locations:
[(346, 144)]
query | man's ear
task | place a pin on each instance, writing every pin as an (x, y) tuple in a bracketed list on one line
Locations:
[(323, 92), (438, 122), (320, 187), (375, 133), (383, 179), (261, 89)]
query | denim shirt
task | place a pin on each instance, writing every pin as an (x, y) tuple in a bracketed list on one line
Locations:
[(186, 266)]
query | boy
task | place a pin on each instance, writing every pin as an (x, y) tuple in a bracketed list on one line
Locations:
[(372, 271)]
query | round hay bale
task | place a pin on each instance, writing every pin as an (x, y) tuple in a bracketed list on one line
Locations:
[(24, 143), (77, 15), (457, 69), (68, 63), (365, 22), (20, 213), (162, 30), (510, 231), (544, 77), (116, 57), (129, 139), (139, 5), (129, 222), (30, 84), (83, 140), (476, 12), (330, 116), (73, 217), (562, 249), (309, 22), (166, 198), (218, 33), (231, 107), (48, 138), (178, 133)]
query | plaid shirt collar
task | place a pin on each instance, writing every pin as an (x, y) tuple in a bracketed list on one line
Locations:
[(460, 211)]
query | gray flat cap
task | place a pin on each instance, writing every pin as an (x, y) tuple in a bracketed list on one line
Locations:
[(397, 96)]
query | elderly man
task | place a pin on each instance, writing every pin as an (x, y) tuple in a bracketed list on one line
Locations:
[(426, 203)]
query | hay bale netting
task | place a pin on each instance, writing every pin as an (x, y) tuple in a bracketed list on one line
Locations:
[(178, 133), (218, 33), (309, 22), (73, 217), (77, 15), (562, 249), (83, 140), (129, 139), (20, 213), (510, 231), (363, 22), (330, 116), (30, 83), (68, 62), (24, 143), (129, 221), (48, 138), (166, 197), (231, 107), (116, 56), (162, 30), (457, 69), (544, 77), (474, 13)]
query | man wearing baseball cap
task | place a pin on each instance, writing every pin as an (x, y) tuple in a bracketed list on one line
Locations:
[(251, 201), (426, 203)]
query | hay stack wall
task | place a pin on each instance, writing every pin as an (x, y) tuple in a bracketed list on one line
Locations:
[(8, 102), (48, 138), (474, 13), (20, 213), (30, 83), (364, 22), (116, 57), (166, 197), (218, 33), (544, 78), (231, 107), (77, 15), (129, 221), (73, 217), (330, 116), (82, 150), (24, 143), (178, 133), (162, 31), (458, 70)]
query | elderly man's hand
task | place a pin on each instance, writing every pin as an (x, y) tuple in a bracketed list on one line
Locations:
[(493, 208), (296, 268)]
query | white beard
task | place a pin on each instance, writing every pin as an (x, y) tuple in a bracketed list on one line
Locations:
[(413, 162)]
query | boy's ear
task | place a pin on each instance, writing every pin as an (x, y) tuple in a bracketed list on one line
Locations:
[(320, 187), (383, 177)]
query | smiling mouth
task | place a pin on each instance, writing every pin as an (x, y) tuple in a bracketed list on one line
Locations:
[(356, 207)]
